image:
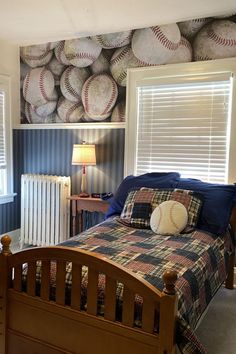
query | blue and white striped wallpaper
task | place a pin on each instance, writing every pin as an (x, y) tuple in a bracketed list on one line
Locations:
[(49, 151)]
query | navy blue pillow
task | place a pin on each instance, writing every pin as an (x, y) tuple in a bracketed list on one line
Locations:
[(218, 201), (150, 180)]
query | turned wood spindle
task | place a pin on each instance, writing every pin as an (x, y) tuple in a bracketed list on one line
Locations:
[(6, 241), (169, 278)]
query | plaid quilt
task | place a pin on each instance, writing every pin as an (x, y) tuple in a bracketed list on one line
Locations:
[(199, 258)]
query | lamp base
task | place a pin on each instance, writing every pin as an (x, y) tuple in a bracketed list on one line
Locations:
[(83, 195)]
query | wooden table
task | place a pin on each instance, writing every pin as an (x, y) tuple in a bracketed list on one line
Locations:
[(79, 205)]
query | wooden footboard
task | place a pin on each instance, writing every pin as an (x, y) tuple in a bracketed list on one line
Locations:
[(32, 323)]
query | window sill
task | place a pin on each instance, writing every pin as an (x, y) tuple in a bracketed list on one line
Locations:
[(7, 198)]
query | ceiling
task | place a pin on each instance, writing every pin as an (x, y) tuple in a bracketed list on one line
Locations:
[(30, 22)]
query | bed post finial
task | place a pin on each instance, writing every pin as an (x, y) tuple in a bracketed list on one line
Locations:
[(5, 253), (6, 241), (169, 278)]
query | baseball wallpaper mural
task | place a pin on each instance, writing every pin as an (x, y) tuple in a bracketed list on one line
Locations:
[(84, 79)]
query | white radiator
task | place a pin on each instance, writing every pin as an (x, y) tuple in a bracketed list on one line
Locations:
[(45, 210)]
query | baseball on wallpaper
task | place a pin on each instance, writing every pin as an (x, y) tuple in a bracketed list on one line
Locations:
[(84, 79)]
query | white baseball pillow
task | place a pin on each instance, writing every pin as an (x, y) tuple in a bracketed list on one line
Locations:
[(169, 218)]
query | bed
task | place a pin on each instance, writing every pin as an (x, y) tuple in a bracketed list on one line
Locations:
[(129, 301)]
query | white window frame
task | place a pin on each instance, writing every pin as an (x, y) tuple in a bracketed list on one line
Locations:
[(153, 75), (5, 84)]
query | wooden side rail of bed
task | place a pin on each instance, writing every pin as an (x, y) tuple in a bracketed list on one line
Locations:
[(32, 323)]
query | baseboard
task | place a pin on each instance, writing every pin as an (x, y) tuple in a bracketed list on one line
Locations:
[(15, 236)]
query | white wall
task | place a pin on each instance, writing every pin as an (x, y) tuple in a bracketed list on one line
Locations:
[(9, 65)]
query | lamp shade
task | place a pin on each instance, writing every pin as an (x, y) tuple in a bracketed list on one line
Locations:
[(83, 154)]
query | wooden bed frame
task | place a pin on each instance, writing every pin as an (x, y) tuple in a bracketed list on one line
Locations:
[(30, 324)]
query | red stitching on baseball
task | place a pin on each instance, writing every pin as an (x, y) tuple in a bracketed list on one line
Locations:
[(219, 40), (163, 39), (118, 114), (68, 85), (160, 218), (80, 56), (41, 84), (103, 43), (26, 85), (58, 51), (113, 97), (70, 111), (200, 20), (106, 55), (86, 105), (143, 63), (34, 57), (28, 113), (121, 77), (120, 56), (185, 43), (171, 215), (201, 58)]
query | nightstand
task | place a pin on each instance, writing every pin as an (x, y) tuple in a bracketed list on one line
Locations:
[(79, 205)]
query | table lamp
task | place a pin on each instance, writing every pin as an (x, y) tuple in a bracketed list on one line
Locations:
[(85, 155)]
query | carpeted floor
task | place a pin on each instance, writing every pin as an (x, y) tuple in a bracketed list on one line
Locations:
[(217, 331)]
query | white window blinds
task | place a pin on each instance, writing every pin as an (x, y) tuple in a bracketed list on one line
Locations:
[(184, 126), (6, 168), (2, 133)]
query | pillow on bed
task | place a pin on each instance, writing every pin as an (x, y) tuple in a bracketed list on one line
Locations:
[(140, 204), (150, 180), (218, 201), (169, 218)]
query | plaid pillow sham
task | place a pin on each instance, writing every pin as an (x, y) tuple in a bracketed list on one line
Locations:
[(140, 204)]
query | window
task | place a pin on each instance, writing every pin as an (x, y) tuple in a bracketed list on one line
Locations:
[(6, 186), (182, 122)]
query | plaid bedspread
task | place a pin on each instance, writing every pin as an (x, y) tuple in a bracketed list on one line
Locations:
[(199, 258)]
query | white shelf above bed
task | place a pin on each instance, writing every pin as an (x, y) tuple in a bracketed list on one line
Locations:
[(105, 125)]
